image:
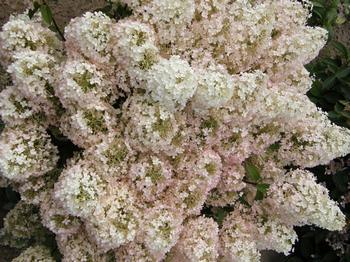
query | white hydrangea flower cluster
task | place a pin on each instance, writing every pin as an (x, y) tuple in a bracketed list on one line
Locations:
[(196, 244), (161, 229), (32, 73), (56, 218), (245, 232), (215, 89), (15, 108), (37, 189), (21, 33), (301, 201), (75, 247), (78, 188), (171, 82), (26, 151), (183, 107), (151, 176), (83, 81), (91, 36)]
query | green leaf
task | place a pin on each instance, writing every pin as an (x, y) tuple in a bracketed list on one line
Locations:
[(317, 4), (318, 13), (343, 73), (332, 97), (53, 28), (329, 82), (261, 190), (36, 5), (252, 172), (31, 13), (333, 115), (275, 146), (345, 90), (338, 108), (316, 89), (46, 14), (219, 215), (243, 200), (331, 64), (344, 102), (331, 16)]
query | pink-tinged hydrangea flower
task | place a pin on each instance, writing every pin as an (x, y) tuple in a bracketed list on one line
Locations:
[(151, 176), (21, 33), (258, 230), (79, 187), (34, 74), (116, 219), (113, 155), (56, 218), (83, 83), (161, 229), (274, 235), (149, 126), (188, 194), (14, 108), (22, 223), (36, 189), (235, 240), (169, 18), (298, 200), (26, 151), (89, 125), (77, 247), (199, 240), (91, 35), (183, 108), (134, 252)]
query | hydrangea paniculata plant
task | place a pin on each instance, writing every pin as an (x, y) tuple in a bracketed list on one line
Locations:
[(183, 105)]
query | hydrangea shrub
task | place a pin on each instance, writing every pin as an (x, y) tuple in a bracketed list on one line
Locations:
[(182, 106)]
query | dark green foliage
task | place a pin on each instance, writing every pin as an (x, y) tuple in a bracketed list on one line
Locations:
[(217, 213), (331, 89), (328, 13), (254, 178)]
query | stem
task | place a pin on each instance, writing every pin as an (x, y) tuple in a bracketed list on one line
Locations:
[(250, 183), (58, 29), (55, 24)]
